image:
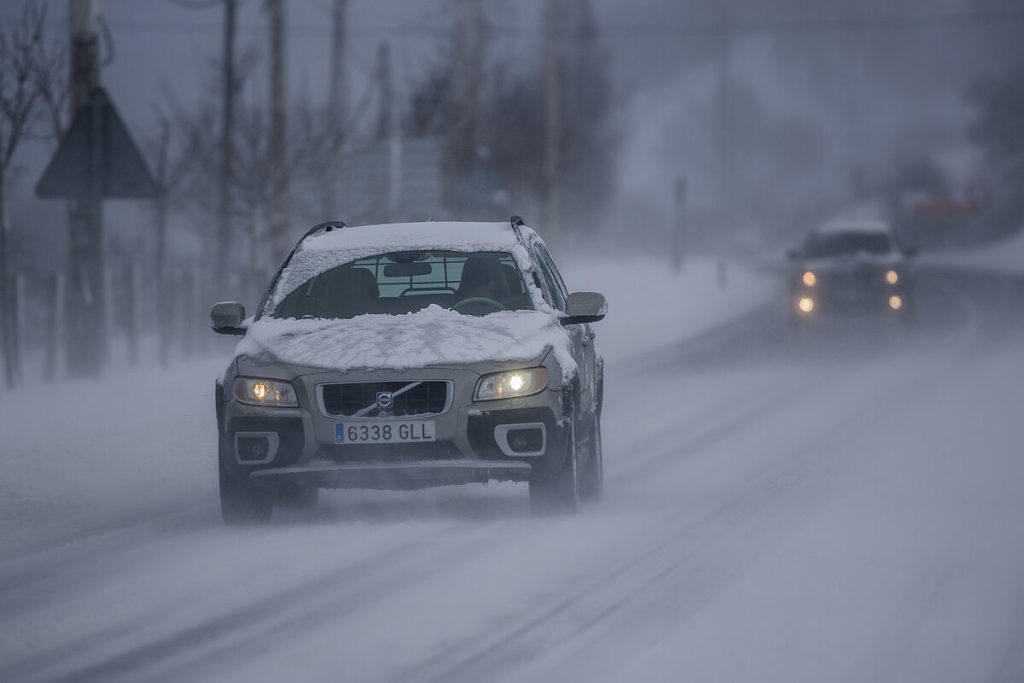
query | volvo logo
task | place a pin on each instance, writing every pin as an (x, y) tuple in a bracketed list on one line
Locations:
[(384, 399)]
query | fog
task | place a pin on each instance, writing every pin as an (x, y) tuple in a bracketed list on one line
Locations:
[(791, 492)]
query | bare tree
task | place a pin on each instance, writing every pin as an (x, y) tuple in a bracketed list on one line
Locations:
[(49, 71), (998, 131), (21, 47)]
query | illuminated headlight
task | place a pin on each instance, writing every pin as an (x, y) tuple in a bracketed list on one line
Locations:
[(892, 277), (265, 392), (895, 303), (809, 278), (511, 384), (805, 304)]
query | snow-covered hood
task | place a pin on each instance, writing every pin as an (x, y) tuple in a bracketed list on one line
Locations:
[(431, 337)]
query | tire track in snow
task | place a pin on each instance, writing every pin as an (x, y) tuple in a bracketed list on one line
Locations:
[(44, 571), (289, 612), (174, 656), (700, 560)]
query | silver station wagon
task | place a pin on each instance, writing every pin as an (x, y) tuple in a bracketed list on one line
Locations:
[(406, 356)]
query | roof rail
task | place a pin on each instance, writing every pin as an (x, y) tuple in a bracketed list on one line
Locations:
[(517, 223), (326, 226)]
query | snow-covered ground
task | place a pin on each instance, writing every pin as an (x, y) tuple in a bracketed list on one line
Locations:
[(1003, 256), (839, 506), (89, 454)]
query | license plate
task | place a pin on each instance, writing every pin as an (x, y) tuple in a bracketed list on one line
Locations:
[(384, 432)]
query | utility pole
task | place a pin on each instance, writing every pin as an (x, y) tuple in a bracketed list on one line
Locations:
[(470, 82), (724, 132), (387, 128), (277, 164), (8, 306), (162, 206), (96, 160), (226, 146), (679, 225), (553, 128), (335, 107), (86, 292), (385, 91)]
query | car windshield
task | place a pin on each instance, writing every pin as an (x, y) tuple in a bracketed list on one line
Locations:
[(846, 243), (403, 282)]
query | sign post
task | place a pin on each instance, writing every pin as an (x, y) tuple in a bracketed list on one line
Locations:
[(96, 160)]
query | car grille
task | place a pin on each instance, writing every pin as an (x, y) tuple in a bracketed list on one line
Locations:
[(408, 398), (858, 280)]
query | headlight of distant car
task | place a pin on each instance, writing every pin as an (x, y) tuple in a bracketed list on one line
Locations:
[(265, 392), (892, 277), (809, 278), (511, 384)]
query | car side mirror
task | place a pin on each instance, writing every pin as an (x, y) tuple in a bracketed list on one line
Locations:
[(226, 317), (584, 307)]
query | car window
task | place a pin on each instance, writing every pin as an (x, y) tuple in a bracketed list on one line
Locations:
[(846, 243), (554, 270), (552, 281), (403, 282)]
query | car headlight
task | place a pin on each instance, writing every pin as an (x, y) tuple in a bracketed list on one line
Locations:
[(265, 392), (809, 278), (892, 277), (511, 384)]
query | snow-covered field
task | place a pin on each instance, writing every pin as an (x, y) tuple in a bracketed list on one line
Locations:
[(838, 506)]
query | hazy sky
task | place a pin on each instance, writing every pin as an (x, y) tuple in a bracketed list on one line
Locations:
[(814, 88)]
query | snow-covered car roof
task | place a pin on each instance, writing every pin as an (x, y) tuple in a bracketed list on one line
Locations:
[(853, 225), (366, 240)]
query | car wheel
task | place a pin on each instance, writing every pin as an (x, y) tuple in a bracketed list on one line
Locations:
[(240, 501), (592, 477), (559, 491)]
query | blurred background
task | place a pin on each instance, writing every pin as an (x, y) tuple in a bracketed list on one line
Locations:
[(715, 127)]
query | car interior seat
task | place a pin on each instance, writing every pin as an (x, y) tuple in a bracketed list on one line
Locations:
[(483, 275)]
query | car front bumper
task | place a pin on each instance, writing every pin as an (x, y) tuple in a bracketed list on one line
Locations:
[(473, 443), (397, 476)]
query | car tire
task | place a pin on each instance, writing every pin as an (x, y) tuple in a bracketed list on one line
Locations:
[(558, 492), (241, 502), (592, 477)]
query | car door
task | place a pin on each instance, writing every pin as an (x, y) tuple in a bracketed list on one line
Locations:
[(582, 336)]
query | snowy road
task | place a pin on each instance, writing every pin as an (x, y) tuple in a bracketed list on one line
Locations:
[(839, 506)]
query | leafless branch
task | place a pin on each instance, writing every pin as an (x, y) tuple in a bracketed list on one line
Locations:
[(20, 46)]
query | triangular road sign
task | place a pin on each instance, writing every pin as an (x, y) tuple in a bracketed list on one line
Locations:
[(124, 172)]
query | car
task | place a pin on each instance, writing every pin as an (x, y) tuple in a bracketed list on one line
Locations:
[(850, 267), (411, 355)]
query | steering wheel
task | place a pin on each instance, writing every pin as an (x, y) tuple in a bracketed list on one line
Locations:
[(475, 304)]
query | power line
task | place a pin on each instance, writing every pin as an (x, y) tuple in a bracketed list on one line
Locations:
[(196, 4), (826, 25), (906, 22)]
